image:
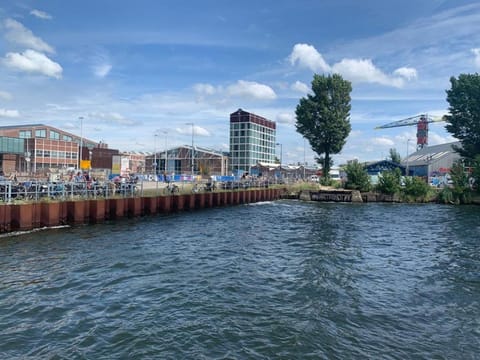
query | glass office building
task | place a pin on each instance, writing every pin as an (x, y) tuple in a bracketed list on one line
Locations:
[(252, 141)]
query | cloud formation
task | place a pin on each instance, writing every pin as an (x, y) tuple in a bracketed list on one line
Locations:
[(355, 70), (300, 87), (382, 141), (240, 89), (4, 95), (20, 35), (112, 118), (9, 113), (251, 89), (308, 57), (102, 70), (41, 14), (286, 118), (33, 62), (476, 52), (197, 130)]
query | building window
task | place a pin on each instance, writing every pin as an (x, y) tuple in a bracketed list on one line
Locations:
[(66, 138), (54, 135), (25, 134), (41, 133)]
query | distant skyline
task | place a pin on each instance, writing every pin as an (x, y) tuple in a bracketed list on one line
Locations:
[(133, 69)]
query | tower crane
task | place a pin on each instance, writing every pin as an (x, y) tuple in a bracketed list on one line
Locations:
[(421, 121)]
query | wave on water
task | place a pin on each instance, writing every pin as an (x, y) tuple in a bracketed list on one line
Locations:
[(18, 233)]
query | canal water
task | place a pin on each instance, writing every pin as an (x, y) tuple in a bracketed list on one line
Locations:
[(274, 280)]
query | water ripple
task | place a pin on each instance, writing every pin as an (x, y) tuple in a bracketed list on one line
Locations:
[(277, 280)]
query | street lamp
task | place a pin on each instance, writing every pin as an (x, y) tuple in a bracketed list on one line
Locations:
[(166, 152), (155, 155), (281, 154), (304, 162), (81, 142), (407, 170), (193, 155)]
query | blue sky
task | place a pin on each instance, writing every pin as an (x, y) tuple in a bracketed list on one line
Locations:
[(136, 69)]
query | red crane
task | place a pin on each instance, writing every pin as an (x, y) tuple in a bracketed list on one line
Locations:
[(421, 121)]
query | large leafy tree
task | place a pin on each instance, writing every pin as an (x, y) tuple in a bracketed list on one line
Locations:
[(324, 117), (463, 122)]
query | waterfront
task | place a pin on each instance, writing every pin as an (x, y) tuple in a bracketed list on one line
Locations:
[(276, 280)]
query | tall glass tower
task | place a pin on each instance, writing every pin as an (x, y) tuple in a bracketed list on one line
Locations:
[(252, 141)]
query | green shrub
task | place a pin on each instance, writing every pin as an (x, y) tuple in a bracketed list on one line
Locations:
[(357, 177), (461, 187), (415, 189), (389, 182)]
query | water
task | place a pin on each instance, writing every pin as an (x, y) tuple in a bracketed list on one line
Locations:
[(280, 280)]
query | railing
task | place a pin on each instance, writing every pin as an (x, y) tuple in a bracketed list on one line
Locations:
[(38, 190), (35, 190)]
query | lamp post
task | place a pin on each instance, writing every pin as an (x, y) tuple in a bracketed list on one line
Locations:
[(406, 167), (281, 155), (90, 158), (304, 162), (155, 155), (81, 142), (166, 151), (193, 155)]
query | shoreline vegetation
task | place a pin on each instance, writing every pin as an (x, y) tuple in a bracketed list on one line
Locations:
[(401, 195)]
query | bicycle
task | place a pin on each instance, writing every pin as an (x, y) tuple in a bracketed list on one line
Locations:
[(171, 189)]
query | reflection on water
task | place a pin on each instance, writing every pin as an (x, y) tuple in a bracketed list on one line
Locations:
[(284, 279)]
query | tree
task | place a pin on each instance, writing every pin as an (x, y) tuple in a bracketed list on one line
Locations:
[(357, 177), (463, 122), (324, 117), (395, 156)]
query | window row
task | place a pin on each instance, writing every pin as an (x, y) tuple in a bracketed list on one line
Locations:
[(56, 154), (42, 133)]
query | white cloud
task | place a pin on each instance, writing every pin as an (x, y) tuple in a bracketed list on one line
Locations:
[(355, 70), (204, 89), (19, 34), (242, 89), (363, 70), (307, 56), (436, 139), (251, 89), (40, 14), (300, 87), (5, 95), (33, 62), (102, 70), (112, 118), (197, 130), (476, 52), (382, 141), (286, 118), (406, 72), (9, 113)]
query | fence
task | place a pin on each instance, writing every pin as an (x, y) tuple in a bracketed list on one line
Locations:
[(37, 190)]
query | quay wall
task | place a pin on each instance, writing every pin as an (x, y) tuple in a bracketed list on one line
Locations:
[(29, 216)]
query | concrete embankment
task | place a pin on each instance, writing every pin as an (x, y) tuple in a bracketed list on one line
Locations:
[(340, 195), (29, 216)]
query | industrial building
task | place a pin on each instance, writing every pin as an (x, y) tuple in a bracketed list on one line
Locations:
[(432, 161), (33, 147), (252, 141), (188, 160)]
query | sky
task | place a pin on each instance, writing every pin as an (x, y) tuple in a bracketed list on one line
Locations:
[(137, 74)]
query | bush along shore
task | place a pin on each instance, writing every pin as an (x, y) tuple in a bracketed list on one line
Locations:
[(331, 194)]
